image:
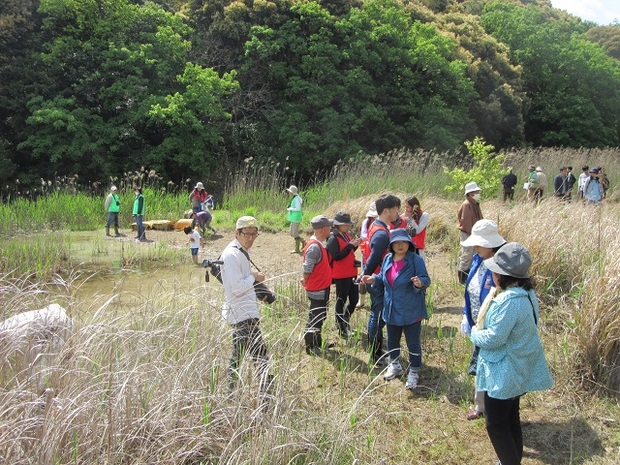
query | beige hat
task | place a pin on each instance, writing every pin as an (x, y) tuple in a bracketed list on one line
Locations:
[(372, 211), (292, 190), (484, 234), (471, 187), (113, 188), (538, 168), (246, 222), (199, 186)]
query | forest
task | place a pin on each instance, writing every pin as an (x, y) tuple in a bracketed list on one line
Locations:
[(193, 88)]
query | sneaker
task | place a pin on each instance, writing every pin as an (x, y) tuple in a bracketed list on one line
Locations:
[(412, 380), (393, 371)]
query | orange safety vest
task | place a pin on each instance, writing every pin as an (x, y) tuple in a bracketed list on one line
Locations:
[(344, 268), (321, 276), (374, 227)]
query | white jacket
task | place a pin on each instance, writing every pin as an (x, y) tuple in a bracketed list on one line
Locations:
[(240, 297)]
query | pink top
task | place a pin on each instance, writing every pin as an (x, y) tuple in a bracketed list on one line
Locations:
[(394, 270)]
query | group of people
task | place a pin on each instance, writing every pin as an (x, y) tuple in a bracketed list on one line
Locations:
[(592, 184), (112, 207)]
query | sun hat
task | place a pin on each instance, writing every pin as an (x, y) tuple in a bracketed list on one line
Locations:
[(321, 221), (538, 168), (372, 211), (513, 259), (292, 190), (246, 222), (199, 186), (471, 187), (484, 234), (401, 235), (342, 218), (113, 188)]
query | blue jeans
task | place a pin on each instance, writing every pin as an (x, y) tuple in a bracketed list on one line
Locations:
[(375, 322), (140, 226), (412, 338)]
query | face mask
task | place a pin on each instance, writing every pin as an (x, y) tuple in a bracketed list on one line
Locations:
[(476, 197)]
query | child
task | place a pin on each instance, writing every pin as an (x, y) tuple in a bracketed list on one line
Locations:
[(194, 242), (404, 279)]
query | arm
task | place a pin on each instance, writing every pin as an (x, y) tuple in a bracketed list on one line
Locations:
[(313, 256), (235, 276), (378, 245), (108, 201), (423, 222), (500, 320), (295, 204), (333, 249)]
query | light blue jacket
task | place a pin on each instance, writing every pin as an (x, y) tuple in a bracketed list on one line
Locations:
[(511, 360), (403, 303)]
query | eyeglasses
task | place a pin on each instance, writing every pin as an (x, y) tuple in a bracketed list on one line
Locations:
[(249, 234)]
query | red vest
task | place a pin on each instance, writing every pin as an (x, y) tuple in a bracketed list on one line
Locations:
[(344, 268), (419, 240), (321, 276), (374, 227)]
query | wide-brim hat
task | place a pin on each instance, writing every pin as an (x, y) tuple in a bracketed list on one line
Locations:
[(199, 186), (372, 211), (342, 218), (321, 221), (401, 235), (292, 190), (484, 234), (513, 259), (471, 187)]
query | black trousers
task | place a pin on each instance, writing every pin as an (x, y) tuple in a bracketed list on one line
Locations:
[(346, 289), (248, 339), (503, 425)]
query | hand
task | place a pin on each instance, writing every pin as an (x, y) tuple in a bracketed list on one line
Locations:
[(356, 242), (416, 282), (258, 276), (367, 279), (465, 326)]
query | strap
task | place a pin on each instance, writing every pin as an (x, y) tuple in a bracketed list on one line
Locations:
[(247, 255), (533, 310)]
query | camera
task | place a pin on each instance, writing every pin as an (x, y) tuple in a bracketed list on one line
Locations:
[(215, 269), (263, 293)]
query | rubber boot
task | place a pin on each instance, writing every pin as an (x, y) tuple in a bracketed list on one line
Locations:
[(313, 342), (116, 233), (296, 246), (107, 231)]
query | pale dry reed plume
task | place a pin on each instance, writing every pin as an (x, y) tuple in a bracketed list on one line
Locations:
[(146, 383)]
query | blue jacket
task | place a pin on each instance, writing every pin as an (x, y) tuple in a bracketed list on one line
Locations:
[(403, 304), (511, 360), (485, 286)]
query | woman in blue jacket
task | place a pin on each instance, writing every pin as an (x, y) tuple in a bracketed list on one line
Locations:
[(511, 361), (486, 241), (403, 279)]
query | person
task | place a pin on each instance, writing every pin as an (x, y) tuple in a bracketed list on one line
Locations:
[(403, 279), (603, 179), (570, 182), (388, 208), (138, 214), (542, 184), (593, 190), (371, 215), (417, 221), (486, 241), (468, 213), (294, 215), (509, 182), (112, 207), (560, 184), (241, 306), (341, 247), (532, 184), (511, 361), (202, 220), (194, 242), (198, 197), (581, 182), (316, 280)]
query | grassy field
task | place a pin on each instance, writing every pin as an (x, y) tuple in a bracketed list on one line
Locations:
[(142, 379)]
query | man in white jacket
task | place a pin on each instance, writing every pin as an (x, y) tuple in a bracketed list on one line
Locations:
[(241, 309)]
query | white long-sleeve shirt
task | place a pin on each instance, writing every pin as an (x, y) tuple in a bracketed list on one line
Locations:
[(240, 297)]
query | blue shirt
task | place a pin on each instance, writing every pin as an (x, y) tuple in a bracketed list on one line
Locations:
[(511, 360)]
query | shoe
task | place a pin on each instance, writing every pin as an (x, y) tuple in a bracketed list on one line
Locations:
[(474, 415), (412, 380), (314, 350), (393, 371)]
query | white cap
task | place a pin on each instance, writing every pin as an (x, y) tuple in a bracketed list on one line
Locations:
[(113, 188)]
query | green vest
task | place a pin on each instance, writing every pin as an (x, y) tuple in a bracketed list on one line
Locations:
[(294, 216), (115, 204), (138, 205)]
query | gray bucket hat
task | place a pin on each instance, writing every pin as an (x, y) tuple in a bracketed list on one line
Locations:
[(513, 259), (342, 218)]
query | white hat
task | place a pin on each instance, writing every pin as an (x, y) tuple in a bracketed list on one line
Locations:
[(538, 168), (484, 234), (293, 190), (372, 211), (113, 188), (246, 222), (471, 187), (199, 186)]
